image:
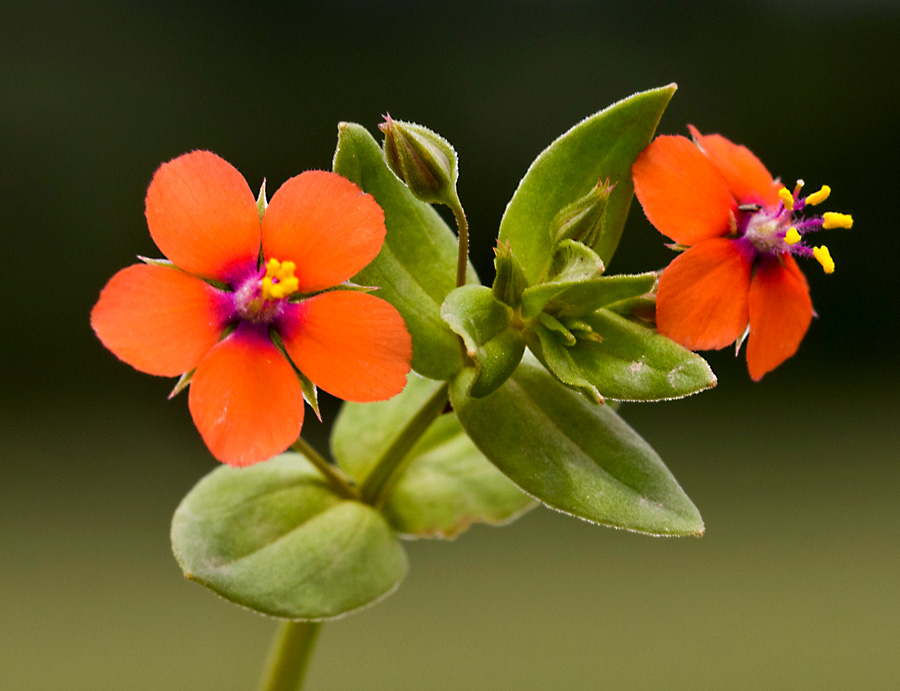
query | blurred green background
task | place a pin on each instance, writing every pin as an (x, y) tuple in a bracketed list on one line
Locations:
[(795, 585)]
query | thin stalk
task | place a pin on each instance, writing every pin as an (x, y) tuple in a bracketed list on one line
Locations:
[(375, 487), (331, 472), (289, 656), (462, 226)]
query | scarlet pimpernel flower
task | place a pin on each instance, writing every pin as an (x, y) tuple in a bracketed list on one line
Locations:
[(235, 280), (741, 230)]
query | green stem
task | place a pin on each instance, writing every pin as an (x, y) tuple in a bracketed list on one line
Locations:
[(331, 472), (289, 656), (380, 481), (462, 262)]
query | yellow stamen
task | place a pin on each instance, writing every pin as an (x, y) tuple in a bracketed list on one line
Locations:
[(792, 237), (820, 196), (283, 273), (787, 198), (835, 220), (823, 256)]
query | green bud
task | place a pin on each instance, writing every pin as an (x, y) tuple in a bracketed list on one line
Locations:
[(583, 220), (422, 159), (510, 282)]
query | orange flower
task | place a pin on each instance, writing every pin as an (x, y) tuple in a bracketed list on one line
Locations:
[(235, 280), (740, 229)]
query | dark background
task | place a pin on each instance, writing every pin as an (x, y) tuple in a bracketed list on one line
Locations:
[(795, 584)]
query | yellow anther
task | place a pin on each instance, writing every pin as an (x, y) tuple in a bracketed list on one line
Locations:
[(787, 198), (823, 256), (279, 281), (792, 237), (820, 196), (835, 220)]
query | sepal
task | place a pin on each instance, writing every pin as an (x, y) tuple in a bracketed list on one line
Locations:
[(509, 283), (584, 220)]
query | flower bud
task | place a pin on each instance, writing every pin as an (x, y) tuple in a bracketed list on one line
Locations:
[(422, 159), (583, 220), (510, 282)]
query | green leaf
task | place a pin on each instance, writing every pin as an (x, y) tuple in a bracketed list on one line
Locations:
[(485, 325), (602, 146), (576, 457), (575, 299), (416, 267), (623, 360), (275, 538), (447, 484)]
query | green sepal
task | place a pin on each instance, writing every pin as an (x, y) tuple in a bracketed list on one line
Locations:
[(183, 382), (573, 456), (622, 360), (584, 220), (575, 299), (274, 537), (509, 280), (447, 484), (487, 329), (349, 285), (310, 392), (601, 147), (261, 201), (416, 267), (165, 263)]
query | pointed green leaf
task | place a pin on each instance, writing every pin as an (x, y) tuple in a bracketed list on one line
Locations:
[(576, 299), (600, 147), (416, 267), (625, 361), (485, 326), (447, 485), (575, 457), (275, 538)]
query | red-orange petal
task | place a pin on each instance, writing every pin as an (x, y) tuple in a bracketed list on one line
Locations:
[(780, 314), (202, 215), (747, 178), (326, 225), (245, 398), (353, 345), (702, 298), (159, 320), (682, 193)]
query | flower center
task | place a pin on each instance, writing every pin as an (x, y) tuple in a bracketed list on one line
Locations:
[(260, 299), (781, 229), (767, 232)]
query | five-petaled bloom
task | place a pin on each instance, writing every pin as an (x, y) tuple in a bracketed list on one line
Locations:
[(740, 228), (236, 280)]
